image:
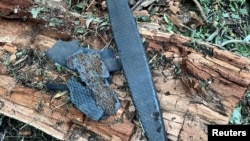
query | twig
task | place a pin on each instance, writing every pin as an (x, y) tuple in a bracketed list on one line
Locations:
[(98, 35), (187, 27), (92, 2), (234, 41), (4, 133), (58, 106), (151, 60), (213, 35), (138, 4), (201, 10), (221, 47), (20, 60), (108, 44)]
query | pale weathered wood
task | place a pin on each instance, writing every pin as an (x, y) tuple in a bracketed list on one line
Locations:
[(55, 117), (225, 73), (36, 107)]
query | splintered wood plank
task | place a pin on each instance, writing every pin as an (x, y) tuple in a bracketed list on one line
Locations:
[(36, 108), (18, 35), (214, 85), (10, 48), (193, 130), (121, 129), (14, 3), (54, 117), (238, 61), (15, 8)]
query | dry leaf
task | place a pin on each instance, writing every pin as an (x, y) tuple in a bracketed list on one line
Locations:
[(147, 3), (174, 19), (60, 94), (104, 5), (173, 7), (141, 13), (12, 58), (195, 19)]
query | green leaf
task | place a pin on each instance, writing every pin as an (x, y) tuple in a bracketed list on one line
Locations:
[(35, 12), (247, 38), (80, 5), (232, 8), (248, 94), (1, 119), (58, 67), (169, 28), (88, 22), (243, 50), (236, 116), (80, 30), (235, 16), (225, 15), (77, 22), (243, 11), (104, 24), (143, 19), (165, 18)]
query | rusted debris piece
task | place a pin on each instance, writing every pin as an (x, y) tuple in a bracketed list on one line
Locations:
[(95, 99)]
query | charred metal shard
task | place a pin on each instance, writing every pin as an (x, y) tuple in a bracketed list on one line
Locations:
[(62, 49), (136, 69), (91, 93), (92, 71)]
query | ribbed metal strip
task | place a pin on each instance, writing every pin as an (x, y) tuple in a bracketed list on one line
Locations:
[(136, 69)]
